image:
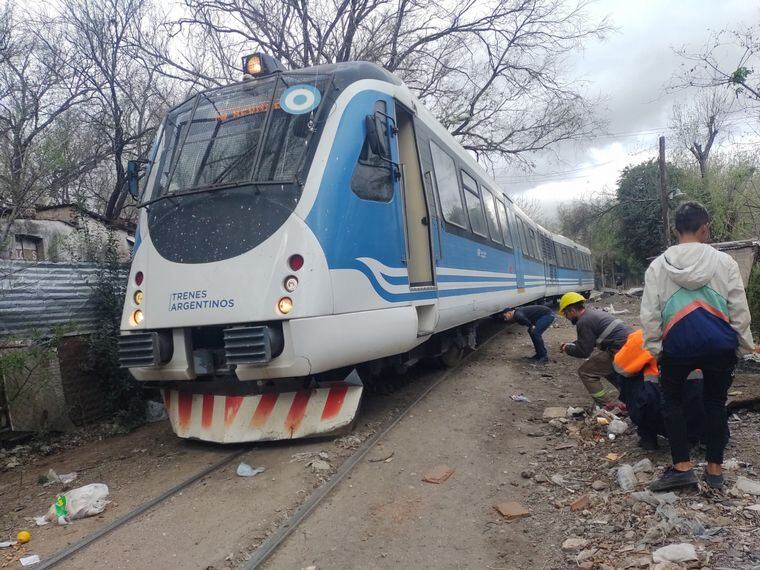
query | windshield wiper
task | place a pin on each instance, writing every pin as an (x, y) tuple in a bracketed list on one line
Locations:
[(197, 190)]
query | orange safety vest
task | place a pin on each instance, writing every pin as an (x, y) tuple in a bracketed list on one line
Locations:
[(632, 359)]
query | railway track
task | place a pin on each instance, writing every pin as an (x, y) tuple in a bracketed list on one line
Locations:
[(270, 546)]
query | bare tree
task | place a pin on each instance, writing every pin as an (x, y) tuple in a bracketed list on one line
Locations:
[(128, 93), (708, 68), (697, 125), (34, 95), (493, 72)]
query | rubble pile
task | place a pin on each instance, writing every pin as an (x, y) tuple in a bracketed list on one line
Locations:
[(595, 477)]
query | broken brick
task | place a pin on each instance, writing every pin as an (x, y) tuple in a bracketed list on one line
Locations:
[(580, 503), (512, 510), (437, 474)]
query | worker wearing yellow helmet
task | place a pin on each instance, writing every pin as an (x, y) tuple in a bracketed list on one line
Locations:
[(595, 329)]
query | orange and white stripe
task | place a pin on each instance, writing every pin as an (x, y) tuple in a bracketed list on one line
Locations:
[(262, 417)]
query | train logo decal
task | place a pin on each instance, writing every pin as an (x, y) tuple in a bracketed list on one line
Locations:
[(300, 99)]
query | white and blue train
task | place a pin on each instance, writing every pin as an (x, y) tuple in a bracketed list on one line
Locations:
[(302, 223)]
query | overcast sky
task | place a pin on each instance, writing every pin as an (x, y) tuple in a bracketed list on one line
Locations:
[(630, 70)]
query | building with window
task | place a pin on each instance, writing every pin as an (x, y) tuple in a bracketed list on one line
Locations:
[(65, 233)]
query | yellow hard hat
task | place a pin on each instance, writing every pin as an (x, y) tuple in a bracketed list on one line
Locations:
[(569, 299)]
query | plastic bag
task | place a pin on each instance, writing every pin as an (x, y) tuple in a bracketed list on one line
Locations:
[(76, 504)]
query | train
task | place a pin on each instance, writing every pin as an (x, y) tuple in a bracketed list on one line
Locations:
[(303, 230)]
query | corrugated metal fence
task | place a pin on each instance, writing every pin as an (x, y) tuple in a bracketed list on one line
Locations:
[(36, 296)]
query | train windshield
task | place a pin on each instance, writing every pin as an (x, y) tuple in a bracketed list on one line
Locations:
[(256, 132), (231, 163)]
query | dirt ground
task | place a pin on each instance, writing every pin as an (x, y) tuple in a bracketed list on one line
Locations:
[(384, 515)]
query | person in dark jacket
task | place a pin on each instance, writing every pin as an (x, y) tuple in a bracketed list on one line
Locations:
[(594, 329), (537, 318)]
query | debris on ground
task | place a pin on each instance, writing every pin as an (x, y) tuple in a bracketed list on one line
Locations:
[(612, 311), (76, 504), (318, 465), (635, 292), (626, 478), (519, 397), (748, 486), (675, 553), (554, 413), (8, 543), (245, 470), (512, 510), (580, 504), (155, 411), (437, 474), (29, 560), (617, 427), (574, 544), (64, 479)]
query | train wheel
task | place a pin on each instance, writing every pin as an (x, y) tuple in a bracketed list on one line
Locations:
[(452, 356)]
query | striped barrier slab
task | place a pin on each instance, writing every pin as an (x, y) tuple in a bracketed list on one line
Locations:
[(263, 417)]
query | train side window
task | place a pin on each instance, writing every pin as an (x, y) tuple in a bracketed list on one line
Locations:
[(373, 176), (474, 207), (534, 243), (491, 216), (504, 220), (449, 196), (523, 237)]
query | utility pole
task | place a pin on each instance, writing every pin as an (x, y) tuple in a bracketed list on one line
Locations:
[(664, 194)]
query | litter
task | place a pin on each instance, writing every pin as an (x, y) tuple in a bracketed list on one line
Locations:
[(245, 470), (8, 543), (675, 553), (512, 510), (519, 397), (731, 464), (612, 311), (76, 504), (575, 412), (614, 456), (626, 478), (617, 427), (64, 479), (29, 560), (602, 421), (554, 412)]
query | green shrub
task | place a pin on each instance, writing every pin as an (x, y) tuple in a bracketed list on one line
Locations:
[(753, 296)]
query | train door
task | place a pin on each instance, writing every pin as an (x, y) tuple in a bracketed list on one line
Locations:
[(417, 217), (518, 251), (578, 264)]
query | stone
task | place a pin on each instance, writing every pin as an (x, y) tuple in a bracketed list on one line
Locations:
[(554, 413), (599, 485), (527, 474), (558, 479), (643, 466), (626, 478), (586, 554), (580, 503), (586, 565), (319, 465), (12, 464), (755, 508), (437, 474), (748, 486), (540, 478), (574, 544), (512, 510), (683, 552), (667, 565)]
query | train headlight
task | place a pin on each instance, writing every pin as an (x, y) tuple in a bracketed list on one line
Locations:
[(291, 283), (285, 305), (137, 318), (138, 297)]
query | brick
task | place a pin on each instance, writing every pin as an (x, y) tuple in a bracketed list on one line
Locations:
[(437, 474), (512, 511), (580, 503)]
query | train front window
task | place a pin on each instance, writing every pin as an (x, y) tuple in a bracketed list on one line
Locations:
[(239, 134)]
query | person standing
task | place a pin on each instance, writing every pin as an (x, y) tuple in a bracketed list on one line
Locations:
[(594, 329), (537, 318), (695, 315)]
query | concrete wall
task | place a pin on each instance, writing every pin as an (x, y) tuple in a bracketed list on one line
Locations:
[(64, 238)]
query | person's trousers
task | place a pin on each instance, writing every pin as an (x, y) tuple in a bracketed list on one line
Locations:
[(535, 335), (594, 369), (718, 373)]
